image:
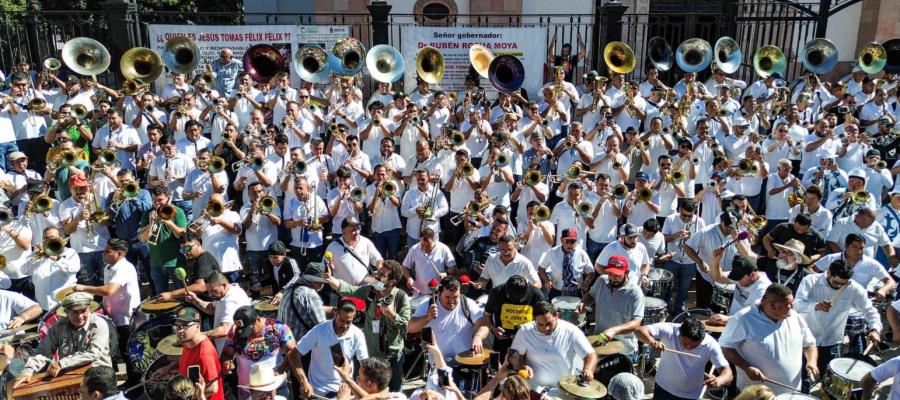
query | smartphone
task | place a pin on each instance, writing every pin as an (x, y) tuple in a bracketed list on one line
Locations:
[(337, 355), (426, 335), (443, 378), (495, 361), (194, 373), (516, 360)]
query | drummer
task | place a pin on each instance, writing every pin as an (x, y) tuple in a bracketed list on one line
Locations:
[(893, 317), (17, 309), (83, 338), (455, 316), (825, 300), (227, 298), (619, 305), (888, 369), (200, 263), (566, 269), (551, 345), (865, 268), (508, 307), (196, 349), (680, 376), (749, 283)]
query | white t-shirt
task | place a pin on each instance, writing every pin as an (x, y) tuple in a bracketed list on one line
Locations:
[(225, 307), (828, 327), (12, 304), (347, 267), (683, 376), (874, 235), (179, 165), (498, 273), (672, 224), (223, 245), (865, 270), (889, 369), (748, 296), (777, 207), (51, 276), (16, 257), (297, 210), (637, 257), (318, 340), (120, 304), (552, 356), (261, 232), (763, 343), (199, 180), (125, 136), (425, 266), (458, 330), (80, 240)]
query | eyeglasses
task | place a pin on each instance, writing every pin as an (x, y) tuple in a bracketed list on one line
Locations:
[(506, 251), (184, 326), (570, 241)]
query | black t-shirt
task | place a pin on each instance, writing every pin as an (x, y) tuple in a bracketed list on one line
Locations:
[(568, 65), (200, 268), (509, 314), (812, 240)]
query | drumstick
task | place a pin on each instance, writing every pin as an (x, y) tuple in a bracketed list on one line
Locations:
[(139, 385), (838, 294), (681, 353), (774, 382), (705, 386)]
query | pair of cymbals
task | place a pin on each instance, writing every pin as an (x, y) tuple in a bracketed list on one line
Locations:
[(572, 385), (604, 348), (470, 358)]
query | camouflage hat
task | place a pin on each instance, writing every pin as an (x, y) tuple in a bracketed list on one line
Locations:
[(188, 315), (77, 301)]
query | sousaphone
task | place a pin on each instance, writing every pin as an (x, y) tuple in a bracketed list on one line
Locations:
[(385, 63), (819, 56), (892, 48), (311, 64), (86, 56), (506, 73), (480, 58), (619, 57), (430, 65), (141, 64), (872, 58), (181, 55), (768, 60), (346, 57), (728, 55), (659, 52), (263, 62), (693, 55)]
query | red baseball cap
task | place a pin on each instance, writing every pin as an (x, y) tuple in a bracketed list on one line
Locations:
[(569, 234), (78, 180), (617, 265)]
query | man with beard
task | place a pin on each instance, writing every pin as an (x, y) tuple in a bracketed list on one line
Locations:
[(506, 263), (387, 315), (619, 305), (789, 266), (226, 298), (799, 230), (629, 248), (864, 268), (196, 350)]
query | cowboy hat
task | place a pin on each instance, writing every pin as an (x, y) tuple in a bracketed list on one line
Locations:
[(796, 247), (263, 378)]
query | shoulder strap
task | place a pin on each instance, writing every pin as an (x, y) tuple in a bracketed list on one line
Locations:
[(352, 253), (465, 309)]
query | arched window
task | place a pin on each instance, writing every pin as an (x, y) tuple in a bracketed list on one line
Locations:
[(435, 12)]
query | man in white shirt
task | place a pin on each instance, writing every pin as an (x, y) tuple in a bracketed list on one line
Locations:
[(121, 293), (52, 273), (171, 170), (506, 263), (16, 309), (750, 283), (305, 215), (200, 184), (426, 261), (260, 227), (779, 186), (629, 247), (676, 230), (354, 256), (336, 334), (759, 357), (680, 377), (887, 370), (452, 316), (192, 142), (119, 137), (220, 237), (423, 206), (246, 100), (259, 169), (862, 223), (865, 268), (565, 214), (87, 238), (226, 299), (552, 348)]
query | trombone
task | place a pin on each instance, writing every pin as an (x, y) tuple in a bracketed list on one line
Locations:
[(52, 247), (533, 177), (472, 208), (256, 163), (165, 213), (129, 190)]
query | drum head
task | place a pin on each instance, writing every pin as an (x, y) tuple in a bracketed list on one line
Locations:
[(264, 305), (659, 274), (566, 302), (654, 303), (157, 389), (153, 306), (694, 312), (610, 366), (849, 368)]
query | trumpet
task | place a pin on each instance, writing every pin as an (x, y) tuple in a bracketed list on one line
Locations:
[(644, 194), (79, 111), (52, 247), (266, 204), (677, 177), (6, 216), (533, 177), (472, 208), (860, 197), (358, 194), (107, 156), (256, 163), (466, 170), (585, 209), (541, 213), (502, 161), (620, 191), (880, 165), (164, 213), (214, 209), (298, 167)]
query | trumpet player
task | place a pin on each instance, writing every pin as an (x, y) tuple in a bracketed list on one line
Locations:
[(572, 148), (393, 163), (341, 204), (167, 232), (217, 117), (629, 107), (185, 112), (423, 205), (280, 96), (603, 219), (478, 133), (246, 100), (878, 177), (437, 112), (666, 187), (170, 171), (146, 115), (192, 142), (779, 186), (117, 136), (383, 208), (125, 215), (612, 162), (356, 161), (841, 200), (305, 211), (425, 159), (201, 183), (539, 235), (18, 177), (27, 111), (812, 206), (260, 227), (86, 237), (376, 128), (257, 169), (67, 125), (51, 273), (638, 206)]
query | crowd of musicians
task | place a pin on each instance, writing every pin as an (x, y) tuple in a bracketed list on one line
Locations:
[(420, 223)]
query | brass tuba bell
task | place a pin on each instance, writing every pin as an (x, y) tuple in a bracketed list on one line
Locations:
[(181, 55), (263, 62), (430, 65), (311, 64), (480, 58), (892, 48), (693, 55), (872, 58), (506, 73), (141, 64), (659, 52), (85, 56), (728, 55), (619, 57), (819, 56), (346, 56), (385, 63), (51, 64), (769, 60)]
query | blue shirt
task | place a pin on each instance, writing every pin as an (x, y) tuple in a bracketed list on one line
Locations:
[(543, 164), (226, 76), (128, 218)]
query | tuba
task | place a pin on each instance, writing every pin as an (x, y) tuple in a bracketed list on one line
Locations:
[(819, 56), (181, 55), (346, 56), (659, 53), (769, 60), (385, 63), (872, 58), (311, 64), (693, 55), (728, 55), (141, 64), (263, 62), (85, 56), (506, 73), (892, 48), (619, 57), (430, 65), (480, 58)]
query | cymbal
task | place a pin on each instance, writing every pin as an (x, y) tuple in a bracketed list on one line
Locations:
[(265, 306), (468, 358), (593, 390), (170, 346), (24, 327), (61, 295), (62, 311), (609, 348)]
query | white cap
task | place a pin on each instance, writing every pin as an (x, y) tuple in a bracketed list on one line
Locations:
[(859, 173)]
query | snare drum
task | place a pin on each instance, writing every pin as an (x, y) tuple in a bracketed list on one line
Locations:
[(265, 308), (856, 323), (722, 296), (472, 371), (654, 310), (844, 375), (156, 308), (660, 283), (566, 307)]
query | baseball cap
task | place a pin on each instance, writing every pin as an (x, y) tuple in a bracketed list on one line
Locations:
[(740, 267), (535, 135), (16, 155), (741, 122), (617, 265), (893, 193), (78, 180), (569, 234), (628, 230), (858, 173), (885, 121), (77, 301), (856, 69), (398, 95), (277, 248), (719, 174), (188, 315), (350, 221), (873, 153), (642, 175), (244, 318), (314, 272)]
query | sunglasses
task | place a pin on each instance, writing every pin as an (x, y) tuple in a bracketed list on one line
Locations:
[(304, 97)]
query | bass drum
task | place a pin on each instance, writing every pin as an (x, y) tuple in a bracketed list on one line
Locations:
[(612, 365), (157, 389), (143, 341)]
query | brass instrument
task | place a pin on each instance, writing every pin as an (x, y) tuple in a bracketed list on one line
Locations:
[(36, 104), (85, 56), (819, 56), (677, 177), (132, 86), (430, 65), (757, 223), (746, 165), (480, 58), (467, 170), (727, 55), (39, 204), (693, 55), (619, 57), (388, 189), (860, 197), (872, 58), (214, 208), (659, 52), (299, 167), (50, 248), (256, 163), (769, 60), (79, 111), (263, 62), (346, 57), (181, 55), (507, 74), (267, 204), (472, 208), (311, 64), (3, 262), (457, 138), (164, 213), (620, 191), (533, 177), (68, 158), (141, 64), (358, 194), (107, 156), (51, 64), (314, 225), (540, 213), (644, 194), (501, 161), (6, 216), (216, 164), (585, 209), (880, 165), (385, 63)]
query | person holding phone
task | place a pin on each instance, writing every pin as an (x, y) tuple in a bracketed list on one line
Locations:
[(198, 353), (439, 380)]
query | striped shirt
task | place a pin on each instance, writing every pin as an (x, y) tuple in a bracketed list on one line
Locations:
[(705, 242)]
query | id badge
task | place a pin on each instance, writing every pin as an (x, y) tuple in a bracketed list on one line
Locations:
[(376, 326)]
